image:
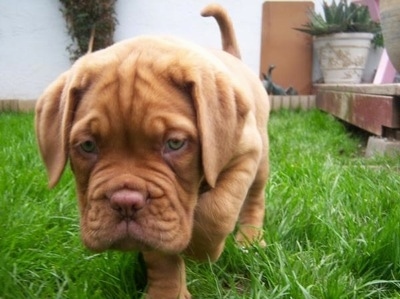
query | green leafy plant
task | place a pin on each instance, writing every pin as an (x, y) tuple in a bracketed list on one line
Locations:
[(342, 17), (91, 24)]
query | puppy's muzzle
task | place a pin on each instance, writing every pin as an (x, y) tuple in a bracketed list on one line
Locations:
[(127, 202)]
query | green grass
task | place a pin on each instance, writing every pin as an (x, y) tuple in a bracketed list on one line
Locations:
[(332, 225)]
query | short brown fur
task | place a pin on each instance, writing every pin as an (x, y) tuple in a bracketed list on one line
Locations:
[(118, 114)]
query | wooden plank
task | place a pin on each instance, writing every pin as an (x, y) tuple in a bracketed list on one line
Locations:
[(369, 112), (377, 89)]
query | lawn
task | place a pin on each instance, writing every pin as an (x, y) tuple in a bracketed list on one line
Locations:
[(332, 224)]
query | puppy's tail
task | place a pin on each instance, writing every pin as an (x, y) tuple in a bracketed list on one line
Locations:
[(229, 43)]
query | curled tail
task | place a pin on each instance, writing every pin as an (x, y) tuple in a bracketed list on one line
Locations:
[(229, 43)]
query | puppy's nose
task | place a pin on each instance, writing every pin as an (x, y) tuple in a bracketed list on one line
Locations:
[(127, 202)]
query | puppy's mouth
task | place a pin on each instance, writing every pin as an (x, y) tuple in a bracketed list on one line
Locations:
[(129, 236), (130, 220)]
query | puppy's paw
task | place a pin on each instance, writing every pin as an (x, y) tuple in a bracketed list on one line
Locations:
[(250, 235)]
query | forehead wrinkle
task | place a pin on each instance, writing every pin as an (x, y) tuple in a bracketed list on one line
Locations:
[(136, 87), (103, 104), (162, 124), (90, 125), (145, 102)]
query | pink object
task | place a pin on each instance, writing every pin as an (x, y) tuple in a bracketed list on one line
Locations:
[(386, 71)]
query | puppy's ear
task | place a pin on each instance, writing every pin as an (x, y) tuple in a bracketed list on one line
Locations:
[(54, 115), (221, 111)]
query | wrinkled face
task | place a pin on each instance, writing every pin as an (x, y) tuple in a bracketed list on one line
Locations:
[(134, 150)]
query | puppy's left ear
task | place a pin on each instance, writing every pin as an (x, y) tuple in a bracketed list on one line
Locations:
[(221, 112), (53, 120), (48, 117)]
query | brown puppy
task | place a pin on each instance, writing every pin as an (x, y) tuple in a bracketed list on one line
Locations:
[(168, 145)]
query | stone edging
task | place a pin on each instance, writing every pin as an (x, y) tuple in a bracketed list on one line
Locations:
[(292, 102), (277, 102), (17, 105)]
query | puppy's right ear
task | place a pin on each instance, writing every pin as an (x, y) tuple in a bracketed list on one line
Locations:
[(49, 129)]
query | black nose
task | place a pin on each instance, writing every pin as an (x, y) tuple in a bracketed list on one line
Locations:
[(127, 202)]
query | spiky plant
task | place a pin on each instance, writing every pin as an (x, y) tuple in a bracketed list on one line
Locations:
[(340, 17)]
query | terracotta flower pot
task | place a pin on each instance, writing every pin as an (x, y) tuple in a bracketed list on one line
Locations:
[(390, 23)]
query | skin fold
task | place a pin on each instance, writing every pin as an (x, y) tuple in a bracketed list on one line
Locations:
[(168, 145)]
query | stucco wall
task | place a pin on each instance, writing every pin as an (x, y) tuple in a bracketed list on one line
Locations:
[(182, 18), (32, 47), (33, 37)]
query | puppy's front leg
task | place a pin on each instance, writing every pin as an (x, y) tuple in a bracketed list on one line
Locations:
[(166, 276), (218, 210)]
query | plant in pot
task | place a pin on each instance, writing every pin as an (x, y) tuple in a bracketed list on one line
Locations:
[(342, 39)]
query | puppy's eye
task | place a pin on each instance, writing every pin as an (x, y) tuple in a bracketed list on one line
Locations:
[(175, 144), (88, 146)]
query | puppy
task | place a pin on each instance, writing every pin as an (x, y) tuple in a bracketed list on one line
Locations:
[(168, 145)]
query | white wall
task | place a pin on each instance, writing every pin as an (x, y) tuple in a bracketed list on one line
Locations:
[(33, 36), (32, 47), (182, 18)]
